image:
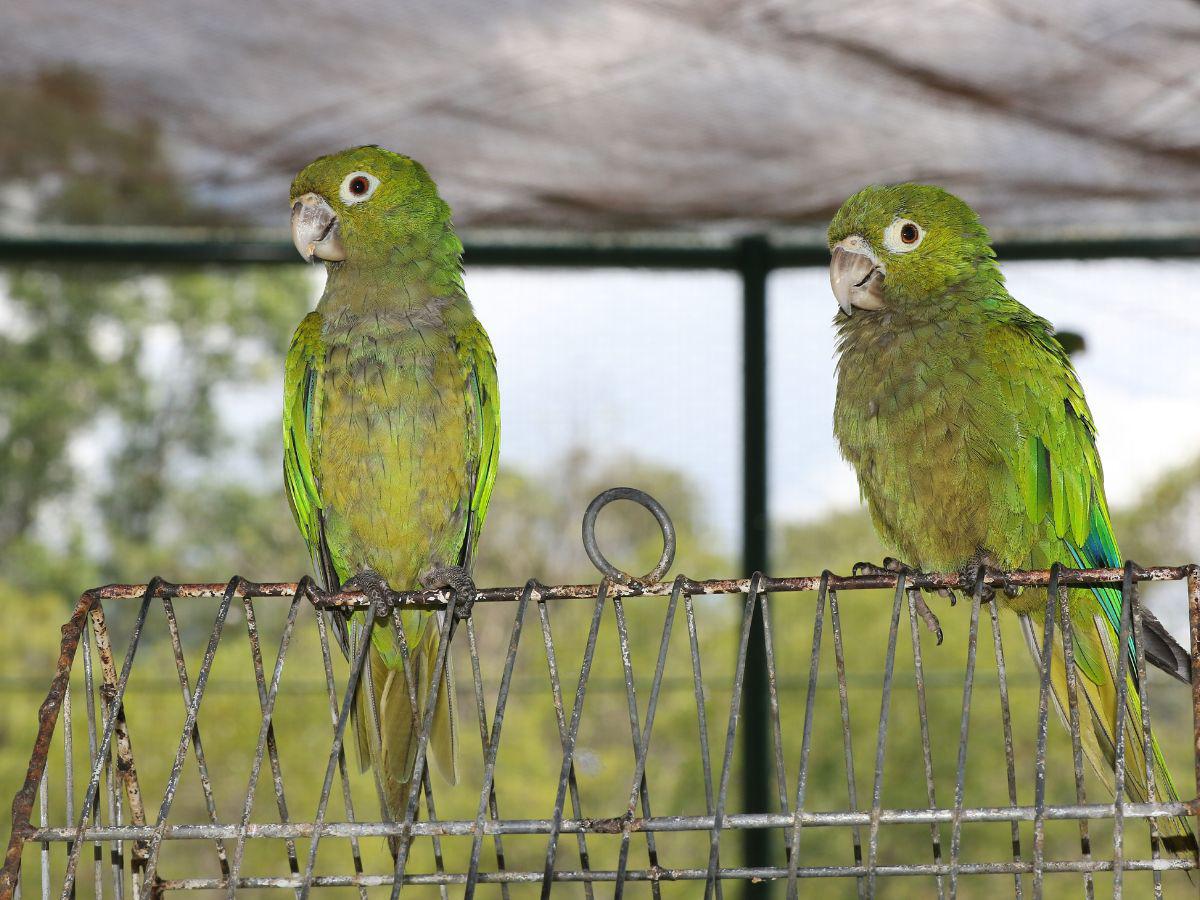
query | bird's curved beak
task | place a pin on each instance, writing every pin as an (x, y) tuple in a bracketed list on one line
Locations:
[(315, 229), (856, 275)]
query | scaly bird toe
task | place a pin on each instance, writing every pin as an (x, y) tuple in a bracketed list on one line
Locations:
[(866, 568), (949, 595), (890, 566), (927, 615), (372, 586), (975, 571), (461, 586)]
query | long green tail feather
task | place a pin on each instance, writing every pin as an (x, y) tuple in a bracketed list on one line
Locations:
[(1097, 702), (1099, 687), (387, 726)]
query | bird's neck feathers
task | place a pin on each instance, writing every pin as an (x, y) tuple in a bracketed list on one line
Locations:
[(971, 303), (406, 271)]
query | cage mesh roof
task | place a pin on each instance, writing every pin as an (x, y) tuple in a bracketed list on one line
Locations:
[(1078, 114)]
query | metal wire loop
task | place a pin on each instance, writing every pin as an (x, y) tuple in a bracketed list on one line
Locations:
[(641, 498)]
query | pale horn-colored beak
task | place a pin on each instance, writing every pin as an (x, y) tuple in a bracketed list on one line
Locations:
[(315, 230), (856, 276)]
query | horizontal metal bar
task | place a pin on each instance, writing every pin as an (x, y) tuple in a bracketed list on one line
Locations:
[(761, 873), (616, 825), (525, 684), (191, 247), (353, 600), (151, 247)]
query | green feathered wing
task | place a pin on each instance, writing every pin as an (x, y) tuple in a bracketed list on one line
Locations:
[(386, 720), (478, 359), (1062, 494), (302, 376)]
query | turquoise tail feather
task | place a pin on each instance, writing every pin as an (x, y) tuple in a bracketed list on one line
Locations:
[(1100, 551)]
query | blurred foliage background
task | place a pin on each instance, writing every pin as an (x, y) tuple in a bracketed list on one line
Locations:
[(116, 464)]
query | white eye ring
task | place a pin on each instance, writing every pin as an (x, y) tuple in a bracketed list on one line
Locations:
[(349, 197), (895, 237)]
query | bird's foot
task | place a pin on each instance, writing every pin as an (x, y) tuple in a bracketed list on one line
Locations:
[(949, 595), (927, 615), (981, 567), (458, 581), (373, 586), (891, 566)]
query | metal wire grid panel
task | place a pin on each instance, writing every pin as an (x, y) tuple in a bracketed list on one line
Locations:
[(107, 838)]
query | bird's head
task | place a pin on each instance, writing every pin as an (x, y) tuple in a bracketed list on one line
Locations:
[(360, 203), (903, 244)]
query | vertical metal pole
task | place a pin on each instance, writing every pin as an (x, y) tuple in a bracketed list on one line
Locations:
[(1193, 584), (754, 255)]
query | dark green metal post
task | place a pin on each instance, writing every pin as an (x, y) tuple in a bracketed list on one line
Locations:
[(755, 261)]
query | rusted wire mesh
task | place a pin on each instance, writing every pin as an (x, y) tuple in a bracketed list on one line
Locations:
[(108, 820)]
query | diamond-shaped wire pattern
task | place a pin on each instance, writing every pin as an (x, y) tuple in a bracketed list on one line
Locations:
[(164, 797)]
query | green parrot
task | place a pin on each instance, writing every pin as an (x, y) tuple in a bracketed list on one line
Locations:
[(974, 446), (391, 427)]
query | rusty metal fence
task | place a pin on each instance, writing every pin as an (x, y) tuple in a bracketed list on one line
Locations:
[(93, 824)]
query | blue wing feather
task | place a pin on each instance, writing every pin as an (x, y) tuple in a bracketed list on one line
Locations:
[(1100, 551)]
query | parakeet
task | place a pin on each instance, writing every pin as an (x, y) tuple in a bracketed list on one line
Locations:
[(391, 427), (974, 446)]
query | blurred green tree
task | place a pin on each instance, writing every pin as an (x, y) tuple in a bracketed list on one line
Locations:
[(110, 377)]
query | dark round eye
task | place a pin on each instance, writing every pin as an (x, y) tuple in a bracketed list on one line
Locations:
[(359, 186), (908, 233)]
